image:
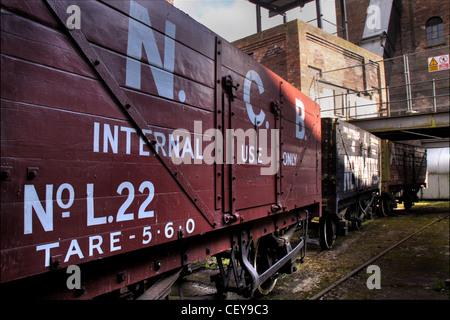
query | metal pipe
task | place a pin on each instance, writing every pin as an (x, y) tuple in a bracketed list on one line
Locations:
[(275, 267), (434, 95), (407, 83), (258, 18), (388, 104), (319, 14), (344, 20)]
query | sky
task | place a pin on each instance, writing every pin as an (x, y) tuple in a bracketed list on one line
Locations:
[(236, 19)]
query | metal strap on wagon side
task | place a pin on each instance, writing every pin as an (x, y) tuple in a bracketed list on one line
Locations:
[(58, 9)]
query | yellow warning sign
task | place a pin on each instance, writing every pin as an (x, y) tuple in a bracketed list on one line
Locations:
[(433, 65), (438, 63)]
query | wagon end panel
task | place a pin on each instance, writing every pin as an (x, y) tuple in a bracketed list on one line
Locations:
[(385, 165), (273, 132), (301, 153), (403, 165), (352, 161), (420, 165), (329, 161), (358, 153)]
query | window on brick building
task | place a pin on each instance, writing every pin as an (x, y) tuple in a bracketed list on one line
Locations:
[(435, 31)]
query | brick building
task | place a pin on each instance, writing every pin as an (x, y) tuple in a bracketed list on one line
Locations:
[(340, 74), (413, 33), (304, 56), (417, 21)]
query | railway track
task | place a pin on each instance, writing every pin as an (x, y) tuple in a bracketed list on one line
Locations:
[(198, 289), (370, 261)]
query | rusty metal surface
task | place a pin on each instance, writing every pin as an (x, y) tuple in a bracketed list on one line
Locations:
[(81, 186)]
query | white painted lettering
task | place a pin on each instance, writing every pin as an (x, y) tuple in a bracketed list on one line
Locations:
[(114, 238), (91, 220), (96, 137), (74, 248), (95, 242), (128, 137), (31, 201), (182, 146), (253, 76), (112, 139), (141, 35), (46, 248), (142, 143), (160, 142), (299, 119)]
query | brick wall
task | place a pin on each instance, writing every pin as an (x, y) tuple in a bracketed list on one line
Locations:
[(414, 16), (411, 40), (301, 54), (356, 18), (276, 48)]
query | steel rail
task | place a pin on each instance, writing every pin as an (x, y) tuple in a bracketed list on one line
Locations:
[(352, 273)]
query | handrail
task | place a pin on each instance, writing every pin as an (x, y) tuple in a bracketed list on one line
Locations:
[(419, 95)]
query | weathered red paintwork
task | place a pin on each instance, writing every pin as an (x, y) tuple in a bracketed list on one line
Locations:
[(73, 166)]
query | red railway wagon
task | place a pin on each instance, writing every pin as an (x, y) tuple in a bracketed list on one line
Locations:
[(403, 173), (135, 141)]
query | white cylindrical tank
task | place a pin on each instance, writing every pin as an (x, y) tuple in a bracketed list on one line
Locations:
[(438, 163)]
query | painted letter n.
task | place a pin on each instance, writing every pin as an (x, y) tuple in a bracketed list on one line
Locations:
[(140, 34)]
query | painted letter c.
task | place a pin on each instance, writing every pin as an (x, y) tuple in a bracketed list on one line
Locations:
[(249, 78)]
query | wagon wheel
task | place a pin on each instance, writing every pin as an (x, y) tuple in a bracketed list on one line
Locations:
[(327, 232), (407, 204), (356, 222), (265, 255), (409, 196), (369, 212), (385, 208)]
